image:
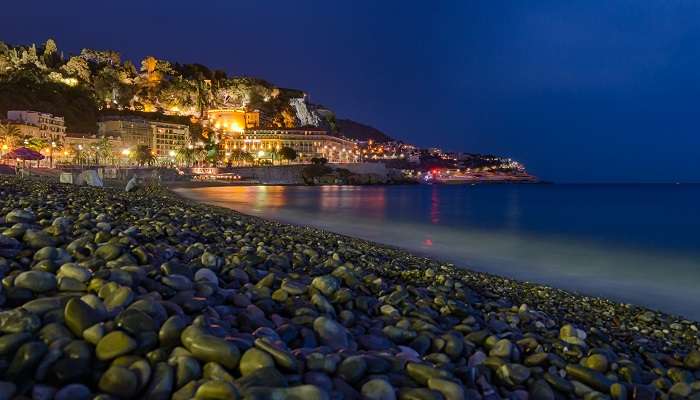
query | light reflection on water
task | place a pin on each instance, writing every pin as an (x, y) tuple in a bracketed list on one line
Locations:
[(631, 243)]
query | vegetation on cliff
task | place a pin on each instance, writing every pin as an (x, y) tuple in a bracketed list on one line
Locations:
[(94, 82)]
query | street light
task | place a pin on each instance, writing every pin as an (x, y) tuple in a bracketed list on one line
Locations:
[(53, 146), (80, 148)]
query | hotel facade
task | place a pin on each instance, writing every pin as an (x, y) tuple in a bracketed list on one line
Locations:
[(163, 138), (307, 142), (38, 125)]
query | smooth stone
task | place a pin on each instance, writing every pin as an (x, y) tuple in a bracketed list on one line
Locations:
[(109, 252), (422, 373), (215, 372), (170, 331), (186, 369), (75, 272), (38, 239), (135, 321), (294, 288), (540, 390), (318, 379), (331, 333), (454, 344), (254, 359), (71, 285), (36, 281), (115, 344), (596, 362), (206, 275), (378, 389), (162, 384), (19, 216), (211, 260), (513, 374), (374, 342), (282, 357), (177, 282), (119, 381), (43, 305), (321, 362), (11, 342), (73, 391), (618, 391), (268, 377), (79, 316), (305, 392), (186, 392), (18, 320), (449, 389), (216, 390), (589, 377), (352, 369), (208, 348), (680, 390), (26, 359), (54, 331), (121, 297), (326, 284), (503, 349), (692, 360), (420, 394)]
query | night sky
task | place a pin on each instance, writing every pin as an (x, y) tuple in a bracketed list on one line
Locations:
[(591, 90)]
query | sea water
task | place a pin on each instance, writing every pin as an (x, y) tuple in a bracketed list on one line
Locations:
[(631, 243)]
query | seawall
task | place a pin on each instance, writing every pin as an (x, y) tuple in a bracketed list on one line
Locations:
[(291, 174)]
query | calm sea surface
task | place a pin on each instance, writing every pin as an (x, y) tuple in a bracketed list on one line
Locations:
[(632, 243)]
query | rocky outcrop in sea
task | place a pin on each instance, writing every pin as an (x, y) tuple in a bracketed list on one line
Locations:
[(114, 295)]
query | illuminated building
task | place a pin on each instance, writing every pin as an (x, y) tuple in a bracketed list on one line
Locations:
[(162, 137), (233, 120), (167, 138), (38, 124), (307, 142)]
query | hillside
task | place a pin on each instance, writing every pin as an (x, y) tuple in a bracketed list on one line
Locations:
[(356, 130), (94, 82)]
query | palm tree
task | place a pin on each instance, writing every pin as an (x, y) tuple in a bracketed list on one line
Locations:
[(103, 150), (9, 134), (189, 155), (239, 155), (143, 155), (34, 143), (288, 153), (54, 147)]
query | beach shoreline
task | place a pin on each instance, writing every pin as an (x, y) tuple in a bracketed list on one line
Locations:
[(441, 331)]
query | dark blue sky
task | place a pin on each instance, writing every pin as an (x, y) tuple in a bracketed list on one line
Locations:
[(590, 90)]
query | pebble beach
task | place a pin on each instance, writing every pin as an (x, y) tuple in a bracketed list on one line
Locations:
[(114, 295)]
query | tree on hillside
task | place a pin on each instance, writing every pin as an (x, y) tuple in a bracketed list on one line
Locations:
[(77, 67), (51, 57), (155, 70), (143, 155), (288, 153)]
